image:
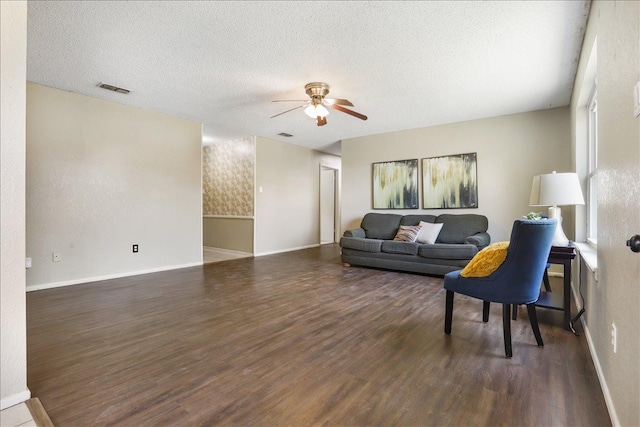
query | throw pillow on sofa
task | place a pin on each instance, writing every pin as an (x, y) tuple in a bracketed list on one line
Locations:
[(428, 232), (407, 233)]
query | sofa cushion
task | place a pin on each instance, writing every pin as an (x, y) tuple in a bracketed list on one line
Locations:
[(416, 219), (395, 247), (458, 227), (361, 244), (447, 251), (428, 232), (380, 226), (407, 233)]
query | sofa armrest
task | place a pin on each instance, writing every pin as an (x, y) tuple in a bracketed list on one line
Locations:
[(355, 232), (480, 240)]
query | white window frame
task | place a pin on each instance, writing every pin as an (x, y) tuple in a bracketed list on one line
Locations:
[(592, 168)]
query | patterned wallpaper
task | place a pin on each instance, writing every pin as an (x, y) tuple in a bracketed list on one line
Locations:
[(228, 178)]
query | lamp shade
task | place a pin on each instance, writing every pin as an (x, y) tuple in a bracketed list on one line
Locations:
[(556, 189)]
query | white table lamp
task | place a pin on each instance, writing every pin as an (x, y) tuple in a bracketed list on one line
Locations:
[(553, 190)]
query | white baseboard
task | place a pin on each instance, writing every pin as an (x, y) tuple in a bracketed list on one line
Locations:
[(287, 250), (603, 383), (14, 399), (107, 277)]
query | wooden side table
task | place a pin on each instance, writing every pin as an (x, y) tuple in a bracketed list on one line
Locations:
[(554, 300)]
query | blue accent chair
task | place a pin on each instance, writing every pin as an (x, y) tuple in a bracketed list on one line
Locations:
[(516, 281)]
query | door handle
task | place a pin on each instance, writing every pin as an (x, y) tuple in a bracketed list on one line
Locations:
[(634, 243)]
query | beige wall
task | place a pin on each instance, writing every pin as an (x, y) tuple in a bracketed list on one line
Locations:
[(235, 234), (511, 150), (614, 298), (103, 176), (288, 207), (13, 335)]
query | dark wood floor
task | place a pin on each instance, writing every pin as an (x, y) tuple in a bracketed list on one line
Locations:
[(295, 339)]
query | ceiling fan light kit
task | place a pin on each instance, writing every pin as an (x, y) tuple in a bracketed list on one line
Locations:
[(318, 106), (314, 111)]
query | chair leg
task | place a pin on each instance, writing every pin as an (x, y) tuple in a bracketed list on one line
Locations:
[(545, 279), (506, 325), (448, 314), (485, 311), (515, 312), (533, 318)]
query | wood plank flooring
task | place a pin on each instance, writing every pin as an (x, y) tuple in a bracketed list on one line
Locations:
[(295, 339)]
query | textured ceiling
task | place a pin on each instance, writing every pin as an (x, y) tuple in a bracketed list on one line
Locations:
[(403, 64)]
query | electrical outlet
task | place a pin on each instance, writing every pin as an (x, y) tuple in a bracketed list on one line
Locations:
[(614, 337), (56, 257), (135, 249), (27, 262)]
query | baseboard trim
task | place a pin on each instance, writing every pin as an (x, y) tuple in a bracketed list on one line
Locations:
[(14, 399), (603, 383), (287, 250), (108, 277)]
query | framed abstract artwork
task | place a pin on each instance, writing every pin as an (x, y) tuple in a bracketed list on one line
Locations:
[(450, 182), (395, 184)]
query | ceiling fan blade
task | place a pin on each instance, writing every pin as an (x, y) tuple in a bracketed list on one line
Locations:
[(295, 108), (332, 101), (290, 100), (350, 112), (322, 121)]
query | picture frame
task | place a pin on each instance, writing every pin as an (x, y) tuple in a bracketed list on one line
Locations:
[(450, 182), (395, 184)]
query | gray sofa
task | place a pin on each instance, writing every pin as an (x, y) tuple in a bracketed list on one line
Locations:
[(372, 245)]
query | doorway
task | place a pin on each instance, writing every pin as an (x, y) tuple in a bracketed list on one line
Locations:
[(328, 204)]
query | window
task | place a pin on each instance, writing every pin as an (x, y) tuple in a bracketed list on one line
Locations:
[(592, 169)]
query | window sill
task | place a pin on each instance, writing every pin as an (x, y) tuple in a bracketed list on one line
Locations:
[(589, 255)]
